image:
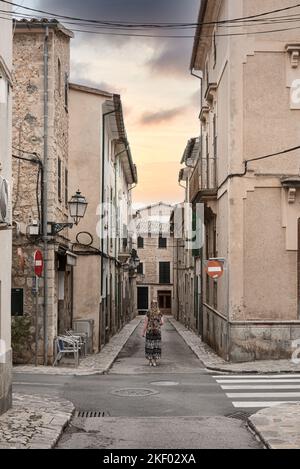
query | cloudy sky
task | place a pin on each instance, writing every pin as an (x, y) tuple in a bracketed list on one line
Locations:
[(159, 95)]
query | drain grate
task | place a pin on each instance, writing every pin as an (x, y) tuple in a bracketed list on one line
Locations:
[(91, 414), (239, 415)]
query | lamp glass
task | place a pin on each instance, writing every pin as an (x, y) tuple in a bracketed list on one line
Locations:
[(77, 207)]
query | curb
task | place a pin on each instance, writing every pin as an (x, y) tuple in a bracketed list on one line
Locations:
[(35, 422), (257, 433), (63, 427)]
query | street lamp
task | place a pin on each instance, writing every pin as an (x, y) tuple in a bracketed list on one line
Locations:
[(134, 260), (77, 208)]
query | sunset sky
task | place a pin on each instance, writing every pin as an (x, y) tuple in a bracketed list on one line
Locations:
[(160, 97)]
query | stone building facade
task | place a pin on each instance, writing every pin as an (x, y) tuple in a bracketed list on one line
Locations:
[(187, 278), (155, 246), (41, 68), (5, 212), (252, 208), (103, 290)]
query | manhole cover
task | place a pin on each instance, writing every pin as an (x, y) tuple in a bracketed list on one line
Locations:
[(164, 383), (134, 392)]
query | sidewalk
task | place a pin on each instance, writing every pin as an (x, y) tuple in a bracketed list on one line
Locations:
[(213, 362), (34, 422), (278, 427), (96, 364)]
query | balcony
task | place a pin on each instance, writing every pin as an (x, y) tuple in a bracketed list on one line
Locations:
[(203, 182), (125, 250)]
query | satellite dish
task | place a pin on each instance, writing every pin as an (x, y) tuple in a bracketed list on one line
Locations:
[(3, 200)]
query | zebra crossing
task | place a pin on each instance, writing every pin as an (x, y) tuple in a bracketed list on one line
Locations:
[(259, 391)]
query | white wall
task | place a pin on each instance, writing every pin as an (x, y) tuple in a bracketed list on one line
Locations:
[(5, 235)]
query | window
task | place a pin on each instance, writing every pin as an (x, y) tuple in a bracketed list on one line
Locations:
[(59, 179), (140, 242), (17, 302), (143, 298), (164, 273), (215, 142), (59, 77), (207, 74), (140, 269), (215, 49), (162, 242), (207, 164), (66, 91), (66, 188), (124, 243)]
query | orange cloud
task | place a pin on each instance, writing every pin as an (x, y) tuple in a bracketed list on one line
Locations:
[(155, 118)]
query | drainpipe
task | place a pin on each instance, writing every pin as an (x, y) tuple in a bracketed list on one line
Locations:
[(45, 193), (133, 187), (117, 282), (201, 100), (200, 320), (106, 114), (181, 185)]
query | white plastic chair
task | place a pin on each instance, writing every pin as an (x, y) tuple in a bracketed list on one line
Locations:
[(66, 345)]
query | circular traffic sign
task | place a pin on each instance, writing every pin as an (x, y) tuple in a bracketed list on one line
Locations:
[(215, 269), (38, 263)]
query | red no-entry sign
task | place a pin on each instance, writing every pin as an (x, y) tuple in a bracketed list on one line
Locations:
[(38, 263), (215, 268)]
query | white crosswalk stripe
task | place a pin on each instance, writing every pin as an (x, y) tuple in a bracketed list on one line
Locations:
[(274, 389)]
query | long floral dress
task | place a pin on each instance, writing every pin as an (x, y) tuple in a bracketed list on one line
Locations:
[(153, 336)]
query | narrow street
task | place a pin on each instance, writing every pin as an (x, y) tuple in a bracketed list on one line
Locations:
[(177, 405)]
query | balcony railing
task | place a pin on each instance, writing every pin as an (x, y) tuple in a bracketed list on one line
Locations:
[(209, 174), (204, 179)]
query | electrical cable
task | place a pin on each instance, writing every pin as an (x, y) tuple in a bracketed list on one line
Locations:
[(259, 158), (178, 36), (40, 166), (26, 152), (274, 20), (259, 15)]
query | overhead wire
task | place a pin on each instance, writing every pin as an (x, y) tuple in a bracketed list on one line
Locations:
[(176, 36), (253, 20), (148, 25)]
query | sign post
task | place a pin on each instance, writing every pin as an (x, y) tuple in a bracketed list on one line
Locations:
[(38, 270)]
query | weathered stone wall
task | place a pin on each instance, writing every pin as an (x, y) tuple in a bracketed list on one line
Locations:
[(244, 342), (263, 341), (151, 255), (28, 120), (28, 136), (24, 278)]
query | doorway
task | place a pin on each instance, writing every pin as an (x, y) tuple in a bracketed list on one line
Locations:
[(142, 299), (165, 302)]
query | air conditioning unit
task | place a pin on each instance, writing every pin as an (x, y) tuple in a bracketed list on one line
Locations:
[(4, 202)]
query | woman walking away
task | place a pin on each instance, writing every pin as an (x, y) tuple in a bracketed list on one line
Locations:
[(152, 330)]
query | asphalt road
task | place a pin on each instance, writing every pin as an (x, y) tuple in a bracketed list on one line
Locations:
[(176, 405)]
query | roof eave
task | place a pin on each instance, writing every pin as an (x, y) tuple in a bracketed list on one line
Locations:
[(91, 90), (28, 25), (201, 16), (123, 135)]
